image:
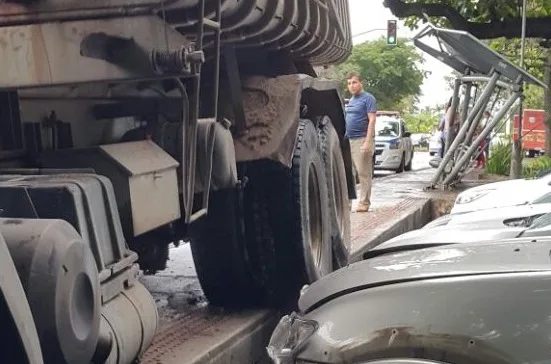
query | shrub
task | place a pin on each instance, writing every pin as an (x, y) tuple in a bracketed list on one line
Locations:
[(499, 161), (536, 167)]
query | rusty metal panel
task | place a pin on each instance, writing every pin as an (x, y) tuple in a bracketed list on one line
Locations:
[(50, 54), (318, 30)]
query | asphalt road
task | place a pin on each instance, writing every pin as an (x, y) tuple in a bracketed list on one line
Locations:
[(420, 161)]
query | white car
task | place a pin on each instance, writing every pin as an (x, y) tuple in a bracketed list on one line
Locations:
[(435, 143), (504, 223), (393, 146), (505, 193)]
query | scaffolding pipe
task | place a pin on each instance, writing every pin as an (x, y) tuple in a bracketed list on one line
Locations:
[(466, 157), (475, 122), (500, 83), (487, 92), (466, 100)]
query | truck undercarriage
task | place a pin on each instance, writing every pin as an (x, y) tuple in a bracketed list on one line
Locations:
[(128, 126)]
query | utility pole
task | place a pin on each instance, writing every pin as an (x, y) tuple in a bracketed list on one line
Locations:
[(516, 164)]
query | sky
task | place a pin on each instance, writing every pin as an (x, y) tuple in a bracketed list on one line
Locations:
[(372, 14)]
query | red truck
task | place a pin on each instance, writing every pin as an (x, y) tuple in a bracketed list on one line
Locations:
[(533, 131)]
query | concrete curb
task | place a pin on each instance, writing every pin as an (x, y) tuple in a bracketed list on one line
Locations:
[(239, 338), (412, 218)]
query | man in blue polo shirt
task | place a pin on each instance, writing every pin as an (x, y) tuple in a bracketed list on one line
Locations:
[(360, 130)]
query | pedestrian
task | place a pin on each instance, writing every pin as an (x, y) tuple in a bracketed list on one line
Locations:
[(481, 156), (360, 130)]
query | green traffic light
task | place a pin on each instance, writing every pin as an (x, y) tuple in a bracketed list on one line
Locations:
[(391, 32)]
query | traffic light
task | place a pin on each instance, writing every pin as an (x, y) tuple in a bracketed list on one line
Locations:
[(391, 38)]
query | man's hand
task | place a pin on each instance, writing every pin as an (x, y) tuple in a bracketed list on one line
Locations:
[(367, 145)]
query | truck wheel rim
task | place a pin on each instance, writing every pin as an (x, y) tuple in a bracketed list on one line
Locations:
[(314, 218), (339, 203)]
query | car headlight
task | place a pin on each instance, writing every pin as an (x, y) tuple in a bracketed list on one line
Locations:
[(521, 221), (290, 335), (395, 145), (470, 197)]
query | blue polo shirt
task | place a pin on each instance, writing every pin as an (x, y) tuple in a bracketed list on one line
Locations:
[(356, 114)]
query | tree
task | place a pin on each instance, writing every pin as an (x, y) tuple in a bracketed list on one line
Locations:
[(422, 122), (535, 56), (500, 21), (485, 19), (391, 73)]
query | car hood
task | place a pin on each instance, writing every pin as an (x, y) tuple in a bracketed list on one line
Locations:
[(419, 239), (504, 193), (504, 256), (482, 219)]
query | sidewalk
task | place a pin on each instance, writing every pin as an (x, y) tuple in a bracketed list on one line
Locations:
[(399, 204)]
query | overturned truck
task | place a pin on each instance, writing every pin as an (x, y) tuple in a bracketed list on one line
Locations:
[(130, 125)]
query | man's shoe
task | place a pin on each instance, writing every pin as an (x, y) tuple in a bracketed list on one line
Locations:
[(362, 208)]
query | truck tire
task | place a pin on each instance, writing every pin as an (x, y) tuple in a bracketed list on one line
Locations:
[(409, 166), (220, 254), (288, 221), (339, 208), (402, 165), (262, 254)]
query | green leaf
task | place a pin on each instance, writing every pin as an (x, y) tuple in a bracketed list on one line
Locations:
[(390, 73)]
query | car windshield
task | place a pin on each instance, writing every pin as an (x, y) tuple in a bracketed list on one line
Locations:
[(387, 128)]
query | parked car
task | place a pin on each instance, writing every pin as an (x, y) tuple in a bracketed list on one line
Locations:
[(504, 193), (476, 303), (502, 223), (393, 146), (435, 143)]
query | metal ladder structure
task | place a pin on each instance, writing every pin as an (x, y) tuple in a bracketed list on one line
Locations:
[(478, 66), (194, 126)]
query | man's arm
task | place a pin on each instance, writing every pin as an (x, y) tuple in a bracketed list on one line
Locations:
[(371, 126), (371, 105)]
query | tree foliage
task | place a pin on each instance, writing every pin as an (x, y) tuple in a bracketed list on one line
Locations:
[(422, 122), (485, 19), (391, 73)]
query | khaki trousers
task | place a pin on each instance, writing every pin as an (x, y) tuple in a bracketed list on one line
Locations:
[(363, 162)]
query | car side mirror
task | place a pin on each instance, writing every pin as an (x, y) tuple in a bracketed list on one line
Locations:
[(407, 134)]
